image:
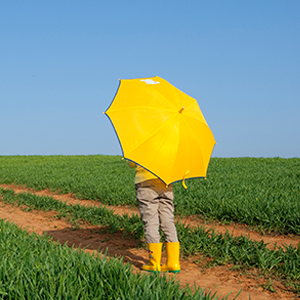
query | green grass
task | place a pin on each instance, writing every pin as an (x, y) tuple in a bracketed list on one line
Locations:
[(88, 177), (260, 192), (283, 262), (255, 191), (34, 267)]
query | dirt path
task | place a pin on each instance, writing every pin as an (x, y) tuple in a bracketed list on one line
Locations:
[(223, 278)]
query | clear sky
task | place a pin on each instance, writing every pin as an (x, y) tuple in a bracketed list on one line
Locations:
[(60, 62)]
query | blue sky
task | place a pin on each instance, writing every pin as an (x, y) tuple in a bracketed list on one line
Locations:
[(60, 62)]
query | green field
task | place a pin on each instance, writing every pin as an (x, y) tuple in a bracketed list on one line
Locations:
[(260, 192), (33, 267), (222, 249)]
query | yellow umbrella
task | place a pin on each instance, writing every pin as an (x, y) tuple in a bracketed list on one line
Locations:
[(161, 128)]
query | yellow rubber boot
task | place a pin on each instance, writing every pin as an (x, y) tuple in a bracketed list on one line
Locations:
[(153, 265), (172, 264)]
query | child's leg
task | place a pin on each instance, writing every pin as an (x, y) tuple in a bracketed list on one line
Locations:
[(148, 207), (166, 216)]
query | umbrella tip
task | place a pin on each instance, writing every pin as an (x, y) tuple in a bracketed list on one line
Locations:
[(181, 109)]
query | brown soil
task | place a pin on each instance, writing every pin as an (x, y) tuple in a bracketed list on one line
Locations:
[(224, 279)]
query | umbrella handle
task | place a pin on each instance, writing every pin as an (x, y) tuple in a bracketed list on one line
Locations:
[(183, 179)]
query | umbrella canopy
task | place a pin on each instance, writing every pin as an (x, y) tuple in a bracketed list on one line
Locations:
[(161, 128)]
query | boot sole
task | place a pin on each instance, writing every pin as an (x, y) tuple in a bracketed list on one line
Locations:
[(151, 271), (173, 271)]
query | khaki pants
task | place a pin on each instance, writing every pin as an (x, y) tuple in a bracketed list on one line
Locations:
[(157, 210)]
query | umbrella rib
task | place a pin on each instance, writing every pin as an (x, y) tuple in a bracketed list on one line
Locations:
[(153, 134), (161, 95), (196, 136)]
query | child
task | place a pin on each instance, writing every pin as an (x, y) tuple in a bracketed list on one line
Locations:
[(156, 207)]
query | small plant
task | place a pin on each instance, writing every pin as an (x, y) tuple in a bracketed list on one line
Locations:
[(269, 286)]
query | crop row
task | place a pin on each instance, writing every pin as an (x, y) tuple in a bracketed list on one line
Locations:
[(283, 262), (33, 267), (260, 192)]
